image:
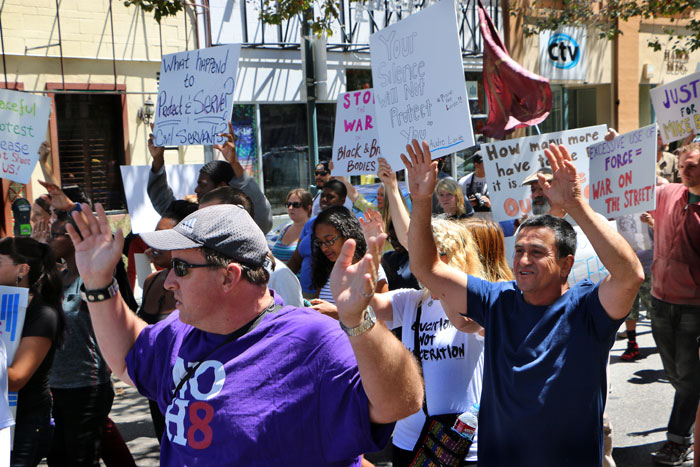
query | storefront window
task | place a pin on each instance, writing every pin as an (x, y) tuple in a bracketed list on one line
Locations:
[(285, 158)]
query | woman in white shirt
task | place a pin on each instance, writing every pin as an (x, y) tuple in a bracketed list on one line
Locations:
[(452, 358)]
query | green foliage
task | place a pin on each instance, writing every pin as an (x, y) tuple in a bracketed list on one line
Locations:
[(606, 16), (160, 8), (273, 12)]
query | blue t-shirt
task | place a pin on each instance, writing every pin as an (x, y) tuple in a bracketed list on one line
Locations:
[(288, 392), (544, 375), (304, 247)]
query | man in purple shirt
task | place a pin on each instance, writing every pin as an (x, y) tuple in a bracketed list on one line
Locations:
[(242, 380)]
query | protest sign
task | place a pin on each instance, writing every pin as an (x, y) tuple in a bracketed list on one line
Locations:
[(13, 308), (508, 163), (623, 173), (23, 122), (676, 105), (587, 264), (419, 84), (195, 96), (182, 180), (355, 141)]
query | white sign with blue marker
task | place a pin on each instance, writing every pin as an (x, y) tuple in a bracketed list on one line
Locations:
[(195, 96), (419, 87), (13, 308), (562, 54)]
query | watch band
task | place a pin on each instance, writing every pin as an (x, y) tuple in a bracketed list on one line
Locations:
[(99, 295), (368, 321)]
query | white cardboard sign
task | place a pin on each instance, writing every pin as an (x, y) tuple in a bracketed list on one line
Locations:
[(419, 85), (13, 309), (23, 121), (677, 107), (144, 218), (195, 96), (623, 173), (508, 163), (355, 141)]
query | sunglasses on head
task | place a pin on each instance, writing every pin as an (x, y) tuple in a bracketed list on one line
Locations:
[(180, 267), (295, 204), (322, 173)]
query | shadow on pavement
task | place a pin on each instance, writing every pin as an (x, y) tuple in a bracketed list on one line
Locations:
[(648, 377)]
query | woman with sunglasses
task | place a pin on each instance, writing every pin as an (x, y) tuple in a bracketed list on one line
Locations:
[(298, 205), (332, 228)]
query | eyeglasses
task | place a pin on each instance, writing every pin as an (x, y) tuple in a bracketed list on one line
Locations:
[(180, 267), (322, 173), (55, 235), (320, 243), (294, 204)]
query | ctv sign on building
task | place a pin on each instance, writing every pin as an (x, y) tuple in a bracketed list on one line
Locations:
[(561, 54)]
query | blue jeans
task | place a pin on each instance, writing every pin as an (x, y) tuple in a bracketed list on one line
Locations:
[(32, 439), (79, 414), (675, 329)]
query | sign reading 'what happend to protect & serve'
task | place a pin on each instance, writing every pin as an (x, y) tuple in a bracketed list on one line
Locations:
[(195, 96)]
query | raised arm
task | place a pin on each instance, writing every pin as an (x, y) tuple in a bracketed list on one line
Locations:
[(46, 169), (618, 290), (96, 255), (159, 192), (399, 212), (244, 182), (447, 283), (388, 371)]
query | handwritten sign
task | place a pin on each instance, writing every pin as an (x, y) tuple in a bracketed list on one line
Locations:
[(677, 107), (587, 263), (23, 121), (13, 309), (509, 163), (419, 85), (195, 96), (623, 173), (144, 218), (355, 141)]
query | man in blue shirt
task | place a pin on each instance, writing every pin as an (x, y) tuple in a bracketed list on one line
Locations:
[(546, 344)]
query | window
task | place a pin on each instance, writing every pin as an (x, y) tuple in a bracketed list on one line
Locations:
[(91, 145), (285, 149)]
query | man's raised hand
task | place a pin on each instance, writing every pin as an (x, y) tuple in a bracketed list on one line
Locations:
[(98, 251), (564, 190), (353, 285)]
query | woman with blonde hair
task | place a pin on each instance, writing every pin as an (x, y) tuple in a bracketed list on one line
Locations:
[(445, 354), (451, 199), (490, 243)]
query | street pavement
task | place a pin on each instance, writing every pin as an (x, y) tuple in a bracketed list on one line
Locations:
[(639, 404)]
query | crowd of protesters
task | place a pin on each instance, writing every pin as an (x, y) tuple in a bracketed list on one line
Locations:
[(259, 351)]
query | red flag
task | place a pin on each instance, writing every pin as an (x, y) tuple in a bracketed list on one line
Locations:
[(517, 97)]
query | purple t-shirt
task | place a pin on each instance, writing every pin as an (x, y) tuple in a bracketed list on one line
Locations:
[(288, 392)]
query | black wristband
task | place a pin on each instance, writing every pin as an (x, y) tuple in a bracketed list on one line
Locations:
[(99, 295)]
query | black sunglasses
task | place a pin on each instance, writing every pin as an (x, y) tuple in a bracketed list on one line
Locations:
[(322, 173), (295, 204), (180, 267)]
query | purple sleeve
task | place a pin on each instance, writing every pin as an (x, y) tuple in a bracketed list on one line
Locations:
[(345, 407), (150, 355)]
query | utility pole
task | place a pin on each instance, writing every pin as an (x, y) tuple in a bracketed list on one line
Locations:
[(310, 82)]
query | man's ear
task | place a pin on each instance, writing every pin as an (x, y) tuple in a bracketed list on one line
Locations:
[(233, 274), (566, 263)]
